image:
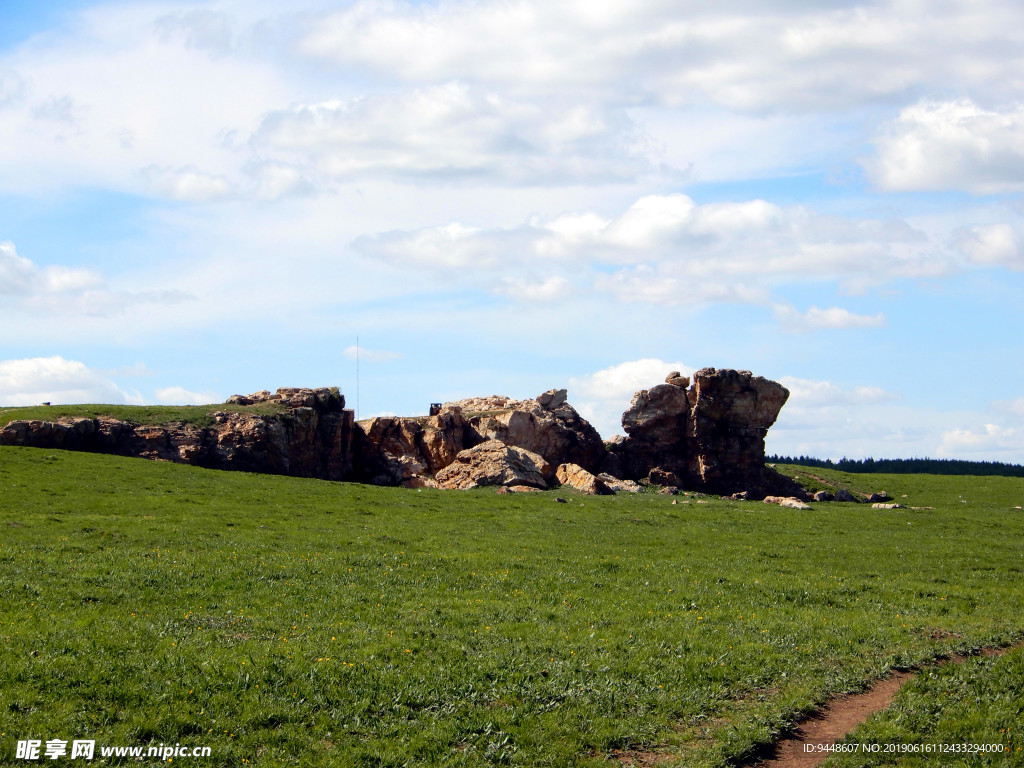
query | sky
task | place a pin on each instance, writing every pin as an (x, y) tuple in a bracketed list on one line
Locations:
[(199, 199)]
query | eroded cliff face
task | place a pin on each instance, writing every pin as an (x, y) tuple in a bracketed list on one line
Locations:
[(706, 436), (311, 436)]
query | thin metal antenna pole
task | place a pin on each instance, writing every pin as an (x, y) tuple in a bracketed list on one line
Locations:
[(357, 378)]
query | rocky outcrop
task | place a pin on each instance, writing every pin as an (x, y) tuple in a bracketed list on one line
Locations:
[(494, 463), (705, 435), (397, 450), (547, 425), (708, 435), (311, 436)]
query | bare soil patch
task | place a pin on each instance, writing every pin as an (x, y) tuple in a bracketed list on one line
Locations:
[(839, 717)]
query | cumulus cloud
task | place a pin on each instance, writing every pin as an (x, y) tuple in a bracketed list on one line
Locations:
[(181, 396), (455, 132), (667, 249), (832, 318), (750, 56), (59, 290), (21, 278), (53, 379), (991, 244), (991, 439), (602, 397), (952, 145), (810, 393), (186, 184)]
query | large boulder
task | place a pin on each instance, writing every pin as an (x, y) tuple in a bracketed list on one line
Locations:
[(547, 425), (576, 477), (494, 463)]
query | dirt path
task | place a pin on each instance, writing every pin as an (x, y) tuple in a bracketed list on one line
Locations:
[(839, 717)]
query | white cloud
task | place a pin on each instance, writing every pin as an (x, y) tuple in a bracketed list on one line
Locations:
[(603, 396), (748, 56), (57, 290), (53, 379), (832, 318), (186, 184), (666, 249), (952, 145), (991, 244), (991, 440), (460, 133), (23, 279), (810, 393), (181, 396), (370, 355), (548, 289)]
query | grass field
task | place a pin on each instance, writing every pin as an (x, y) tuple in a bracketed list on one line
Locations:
[(285, 621)]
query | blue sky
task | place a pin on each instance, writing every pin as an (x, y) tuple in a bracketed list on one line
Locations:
[(205, 198)]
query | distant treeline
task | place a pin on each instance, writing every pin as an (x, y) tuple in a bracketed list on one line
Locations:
[(907, 466)]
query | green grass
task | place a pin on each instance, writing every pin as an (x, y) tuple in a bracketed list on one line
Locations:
[(200, 415), (979, 703), (285, 621)]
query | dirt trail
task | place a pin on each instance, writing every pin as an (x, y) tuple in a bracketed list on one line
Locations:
[(839, 717)]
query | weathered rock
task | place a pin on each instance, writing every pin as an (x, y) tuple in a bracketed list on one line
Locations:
[(577, 477), (844, 495), (880, 496), (824, 496), (494, 463), (548, 426), (616, 485), (676, 379), (786, 501), (659, 476), (878, 505), (303, 440), (730, 413)]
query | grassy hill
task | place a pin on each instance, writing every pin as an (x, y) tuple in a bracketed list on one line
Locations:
[(200, 415), (284, 621)]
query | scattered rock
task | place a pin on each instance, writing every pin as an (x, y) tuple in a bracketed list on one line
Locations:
[(786, 501), (578, 478), (560, 500), (878, 505), (845, 496), (824, 496), (880, 496), (616, 485), (669, 489)]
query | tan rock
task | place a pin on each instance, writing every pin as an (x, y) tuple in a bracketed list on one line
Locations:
[(494, 463), (582, 481)]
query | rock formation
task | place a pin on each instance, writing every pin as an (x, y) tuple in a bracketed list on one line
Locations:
[(705, 436), (310, 437), (710, 436), (548, 426)]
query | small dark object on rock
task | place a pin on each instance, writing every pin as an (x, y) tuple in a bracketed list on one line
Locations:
[(670, 489), (560, 500)]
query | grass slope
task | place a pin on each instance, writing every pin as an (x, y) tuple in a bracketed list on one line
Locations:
[(200, 415), (285, 621)]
